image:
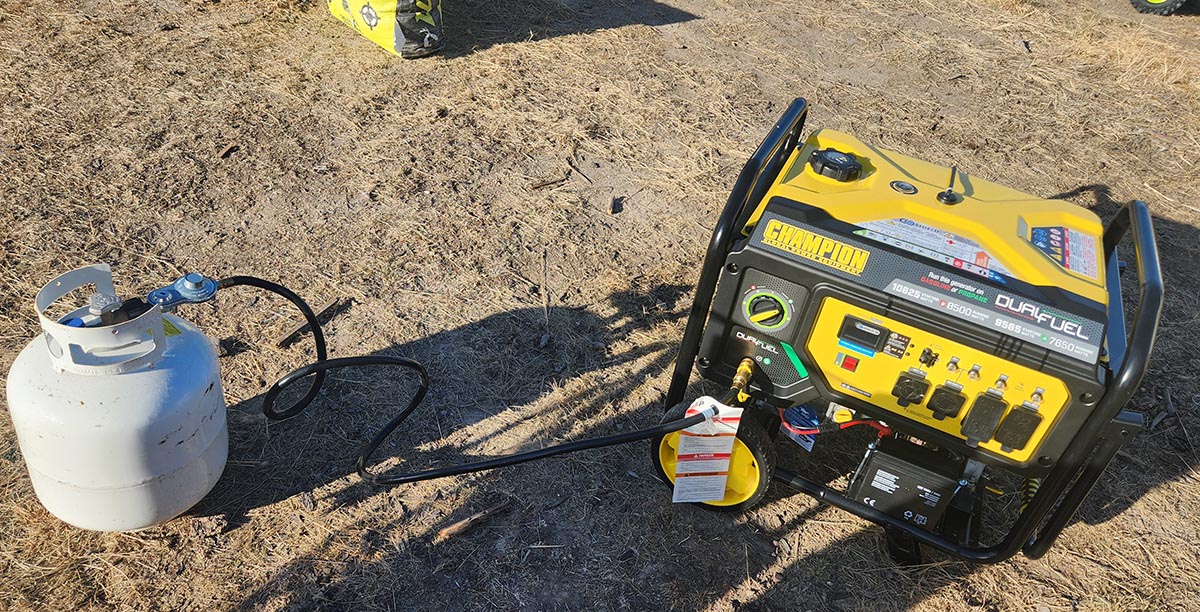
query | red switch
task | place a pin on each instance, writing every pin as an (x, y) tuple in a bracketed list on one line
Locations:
[(850, 363)]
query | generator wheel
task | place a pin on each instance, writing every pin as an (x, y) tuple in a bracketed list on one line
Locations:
[(750, 467), (1157, 7)]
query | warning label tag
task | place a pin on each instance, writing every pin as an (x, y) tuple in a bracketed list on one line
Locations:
[(1071, 249), (705, 449), (933, 243), (896, 345)]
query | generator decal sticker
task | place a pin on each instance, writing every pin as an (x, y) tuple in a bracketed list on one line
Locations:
[(1050, 328), (958, 295), (850, 346), (933, 243), (1072, 250), (823, 250), (369, 16), (1033, 312)]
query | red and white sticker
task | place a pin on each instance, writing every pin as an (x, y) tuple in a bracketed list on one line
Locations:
[(702, 462), (1071, 249), (933, 243)]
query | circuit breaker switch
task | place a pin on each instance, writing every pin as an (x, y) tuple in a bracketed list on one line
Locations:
[(1037, 395), (1002, 382)]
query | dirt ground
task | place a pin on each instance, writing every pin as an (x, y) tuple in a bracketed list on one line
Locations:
[(463, 204)]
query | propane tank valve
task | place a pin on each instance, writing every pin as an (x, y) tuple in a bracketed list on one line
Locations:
[(101, 303), (191, 288)]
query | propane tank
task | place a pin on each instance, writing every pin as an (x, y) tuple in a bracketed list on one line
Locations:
[(121, 422)]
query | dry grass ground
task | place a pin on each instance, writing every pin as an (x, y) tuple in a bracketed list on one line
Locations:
[(408, 186)]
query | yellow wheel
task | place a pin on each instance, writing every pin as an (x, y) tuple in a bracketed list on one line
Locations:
[(750, 466), (1157, 7)]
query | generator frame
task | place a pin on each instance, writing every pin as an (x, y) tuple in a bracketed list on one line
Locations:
[(1067, 483)]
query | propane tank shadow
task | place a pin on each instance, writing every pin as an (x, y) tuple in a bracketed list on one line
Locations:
[(480, 372)]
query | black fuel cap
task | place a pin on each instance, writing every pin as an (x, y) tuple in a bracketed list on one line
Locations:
[(836, 165)]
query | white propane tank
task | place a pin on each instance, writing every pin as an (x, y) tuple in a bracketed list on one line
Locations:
[(122, 426)]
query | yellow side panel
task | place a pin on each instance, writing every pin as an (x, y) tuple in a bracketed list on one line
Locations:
[(998, 219), (873, 377), (374, 19)]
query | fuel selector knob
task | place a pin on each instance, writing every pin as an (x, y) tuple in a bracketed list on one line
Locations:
[(767, 310)]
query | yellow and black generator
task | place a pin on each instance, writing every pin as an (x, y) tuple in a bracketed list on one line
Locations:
[(974, 327)]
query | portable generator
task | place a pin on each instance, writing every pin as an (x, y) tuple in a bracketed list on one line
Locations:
[(977, 328)]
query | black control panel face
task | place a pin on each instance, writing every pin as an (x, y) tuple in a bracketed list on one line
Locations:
[(762, 320)]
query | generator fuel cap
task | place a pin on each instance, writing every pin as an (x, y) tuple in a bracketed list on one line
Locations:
[(839, 166)]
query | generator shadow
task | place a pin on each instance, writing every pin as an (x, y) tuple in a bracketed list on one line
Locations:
[(481, 374), (474, 25), (597, 531)]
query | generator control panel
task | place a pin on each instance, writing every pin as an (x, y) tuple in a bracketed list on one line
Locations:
[(989, 402)]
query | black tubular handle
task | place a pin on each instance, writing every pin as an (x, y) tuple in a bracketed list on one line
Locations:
[(1133, 216), (752, 184)]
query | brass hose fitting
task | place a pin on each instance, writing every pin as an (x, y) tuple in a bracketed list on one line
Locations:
[(745, 371)]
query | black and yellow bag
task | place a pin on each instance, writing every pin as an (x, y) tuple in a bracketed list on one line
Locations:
[(408, 28)]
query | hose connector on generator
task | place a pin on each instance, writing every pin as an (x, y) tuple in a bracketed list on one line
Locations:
[(745, 371), (741, 379)]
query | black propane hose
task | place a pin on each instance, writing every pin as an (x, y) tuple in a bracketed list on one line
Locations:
[(318, 369), (313, 324)]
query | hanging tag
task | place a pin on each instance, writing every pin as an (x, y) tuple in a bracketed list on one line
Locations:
[(702, 463)]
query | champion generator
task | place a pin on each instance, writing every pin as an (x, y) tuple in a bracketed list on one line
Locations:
[(975, 328)]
